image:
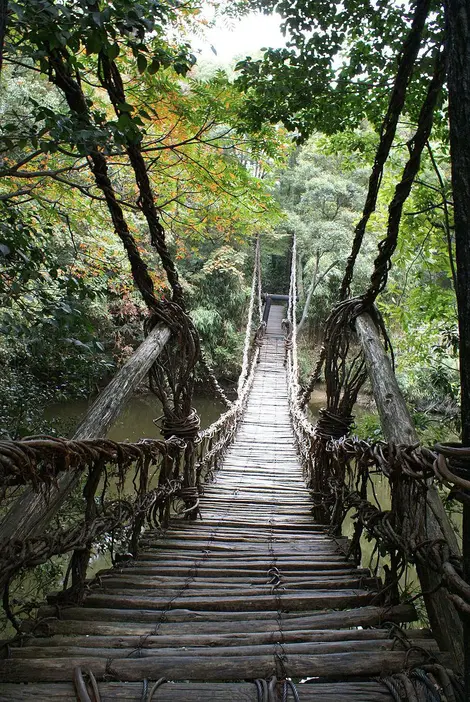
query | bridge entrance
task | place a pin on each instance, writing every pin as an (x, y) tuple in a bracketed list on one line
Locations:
[(253, 590)]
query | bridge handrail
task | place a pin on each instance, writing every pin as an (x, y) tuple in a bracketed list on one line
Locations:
[(166, 473), (416, 529), (255, 297)]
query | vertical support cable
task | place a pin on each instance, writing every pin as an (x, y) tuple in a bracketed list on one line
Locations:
[(458, 81), (255, 285), (258, 264), (293, 369)]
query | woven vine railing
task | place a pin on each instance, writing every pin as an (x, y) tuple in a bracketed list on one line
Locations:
[(122, 488), (339, 470)]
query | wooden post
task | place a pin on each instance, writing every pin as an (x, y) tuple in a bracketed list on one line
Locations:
[(31, 513), (398, 428)]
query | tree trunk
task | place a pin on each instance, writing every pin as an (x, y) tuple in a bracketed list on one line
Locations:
[(458, 40)]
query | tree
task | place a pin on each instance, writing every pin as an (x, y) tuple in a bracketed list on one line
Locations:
[(339, 63), (322, 198), (80, 148)]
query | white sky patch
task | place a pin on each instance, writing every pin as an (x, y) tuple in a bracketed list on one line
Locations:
[(233, 38)]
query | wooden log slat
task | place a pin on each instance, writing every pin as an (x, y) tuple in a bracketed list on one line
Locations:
[(187, 621), (143, 650), (214, 668), (195, 692), (294, 603), (219, 640)]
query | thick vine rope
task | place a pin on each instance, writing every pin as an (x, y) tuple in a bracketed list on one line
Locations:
[(291, 326), (416, 146), (338, 325), (407, 58)]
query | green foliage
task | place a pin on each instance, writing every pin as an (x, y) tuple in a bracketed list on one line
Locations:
[(51, 321), (69, 312), (419, 304), (367, 426), (337, 67), (322, 198), (218, 295), (29, 590)]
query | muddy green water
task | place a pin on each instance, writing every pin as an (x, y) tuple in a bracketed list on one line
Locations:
[(135, 421)]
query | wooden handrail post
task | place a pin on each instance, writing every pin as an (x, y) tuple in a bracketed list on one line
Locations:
[(33, 510), (398, 428)]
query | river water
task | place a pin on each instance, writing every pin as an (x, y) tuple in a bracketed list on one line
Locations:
[(136, 419)]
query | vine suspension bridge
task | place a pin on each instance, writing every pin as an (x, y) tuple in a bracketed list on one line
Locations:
[(241, 585)]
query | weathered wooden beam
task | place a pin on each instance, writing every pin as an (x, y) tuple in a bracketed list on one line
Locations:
[(398, 428), (214, 668), (110, 402), (112, 621), (31, 513), (195, 692)]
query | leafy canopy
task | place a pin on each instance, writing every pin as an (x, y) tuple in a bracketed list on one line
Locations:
[(338, 64)]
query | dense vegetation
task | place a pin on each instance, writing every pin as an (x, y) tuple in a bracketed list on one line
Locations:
[(70, 312), (91, 90)]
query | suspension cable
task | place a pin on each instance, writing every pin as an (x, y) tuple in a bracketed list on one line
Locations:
[(291, 336), (255, 293)]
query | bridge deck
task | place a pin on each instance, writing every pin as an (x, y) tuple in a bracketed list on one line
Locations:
[(253, 590)]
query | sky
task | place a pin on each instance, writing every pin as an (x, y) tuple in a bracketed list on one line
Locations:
[(234, 38)]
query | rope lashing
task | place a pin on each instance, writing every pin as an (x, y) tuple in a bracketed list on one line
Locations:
[(289, 686), (452, 465), (274, 577), (275, 690), (428, 683), (190, 496), (260, 334), (333, 426), (154, 688), (81, 690), (286, 326), (184, 428)]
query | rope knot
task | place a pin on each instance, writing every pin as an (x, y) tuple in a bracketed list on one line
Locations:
[(452, 465), (184, 428), (333, 426)]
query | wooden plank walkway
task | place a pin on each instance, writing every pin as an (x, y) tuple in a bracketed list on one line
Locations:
[(253, 590)]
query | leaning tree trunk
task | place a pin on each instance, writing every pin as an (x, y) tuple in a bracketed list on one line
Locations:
[(33, 511)]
